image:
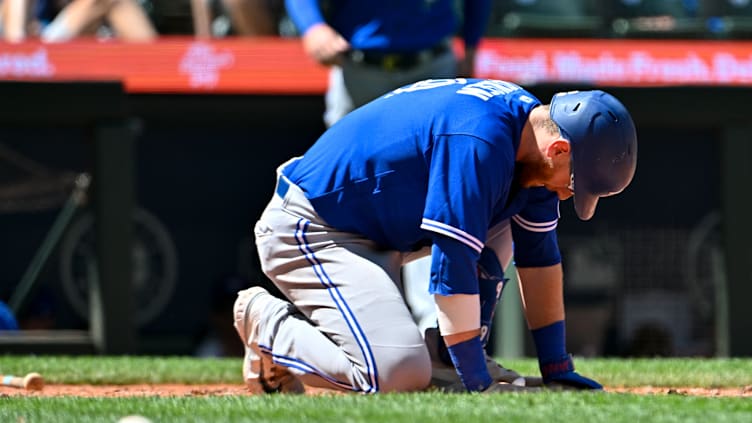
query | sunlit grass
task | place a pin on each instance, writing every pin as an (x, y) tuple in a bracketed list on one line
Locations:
[(675, 372), (544, 407)]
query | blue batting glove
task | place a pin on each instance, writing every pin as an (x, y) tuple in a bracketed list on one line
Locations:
[(561, 372)]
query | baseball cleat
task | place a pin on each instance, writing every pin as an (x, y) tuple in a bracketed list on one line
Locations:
[(500, 373), (260, 373), (444, 374)]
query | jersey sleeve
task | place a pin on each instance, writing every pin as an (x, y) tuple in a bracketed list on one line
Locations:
[(534, 230), (304, 13), (467, 177), (453, 267)]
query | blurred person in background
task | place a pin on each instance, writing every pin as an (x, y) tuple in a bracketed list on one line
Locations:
[(374, 47), (126, 19), (58, 21), (247, 18), (13, 20)]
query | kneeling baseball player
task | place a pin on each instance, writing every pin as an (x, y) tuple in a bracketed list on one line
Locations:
[(467, 171)]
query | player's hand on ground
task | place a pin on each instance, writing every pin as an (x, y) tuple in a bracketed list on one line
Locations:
[(324, 44), (574, 381), (560, 374)]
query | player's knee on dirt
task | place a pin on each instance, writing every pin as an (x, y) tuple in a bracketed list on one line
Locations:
[(406, 369)]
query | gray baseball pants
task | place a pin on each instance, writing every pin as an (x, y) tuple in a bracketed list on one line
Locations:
[(348, 327)]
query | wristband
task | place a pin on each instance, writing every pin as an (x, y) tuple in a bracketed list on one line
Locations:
[(550, 342), (556, 367), (470, 361), (561, 371)]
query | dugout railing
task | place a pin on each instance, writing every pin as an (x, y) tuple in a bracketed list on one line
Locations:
[(100, 109)]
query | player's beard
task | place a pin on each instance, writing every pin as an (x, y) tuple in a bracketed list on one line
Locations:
[(535, 174)]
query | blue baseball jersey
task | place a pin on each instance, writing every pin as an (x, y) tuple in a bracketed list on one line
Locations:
[(433, 163), (393, 25)]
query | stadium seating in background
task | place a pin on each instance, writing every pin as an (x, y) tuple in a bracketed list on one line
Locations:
[(728, 18), (219, 18), (533, 18), (546, 18), (682, 19), (655, 19)]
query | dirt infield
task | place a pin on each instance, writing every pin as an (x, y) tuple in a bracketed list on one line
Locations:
[(166, 390)]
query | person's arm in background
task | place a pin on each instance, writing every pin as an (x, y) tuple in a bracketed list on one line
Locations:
[(15, 17), (202, 18), (251, 17), (320, 41), (542, 291), (130, 22), (475, 20)]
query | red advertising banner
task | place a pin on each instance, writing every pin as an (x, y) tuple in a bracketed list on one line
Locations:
[(617, 62), (279, 66), (172, 65)]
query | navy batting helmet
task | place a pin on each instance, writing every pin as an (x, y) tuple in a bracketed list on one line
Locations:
[(604, 145)]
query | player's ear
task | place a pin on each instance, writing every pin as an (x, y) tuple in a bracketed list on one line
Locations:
[(557, 147)]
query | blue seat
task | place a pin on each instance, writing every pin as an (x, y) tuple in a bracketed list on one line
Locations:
[(728, 18)]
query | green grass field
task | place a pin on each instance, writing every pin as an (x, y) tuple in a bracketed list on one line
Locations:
[(418, 407)]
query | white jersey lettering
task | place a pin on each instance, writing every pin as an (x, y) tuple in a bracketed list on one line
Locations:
[(426, 85), (485, 90)]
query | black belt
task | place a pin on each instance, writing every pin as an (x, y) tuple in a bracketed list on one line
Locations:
[(398, 61)]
